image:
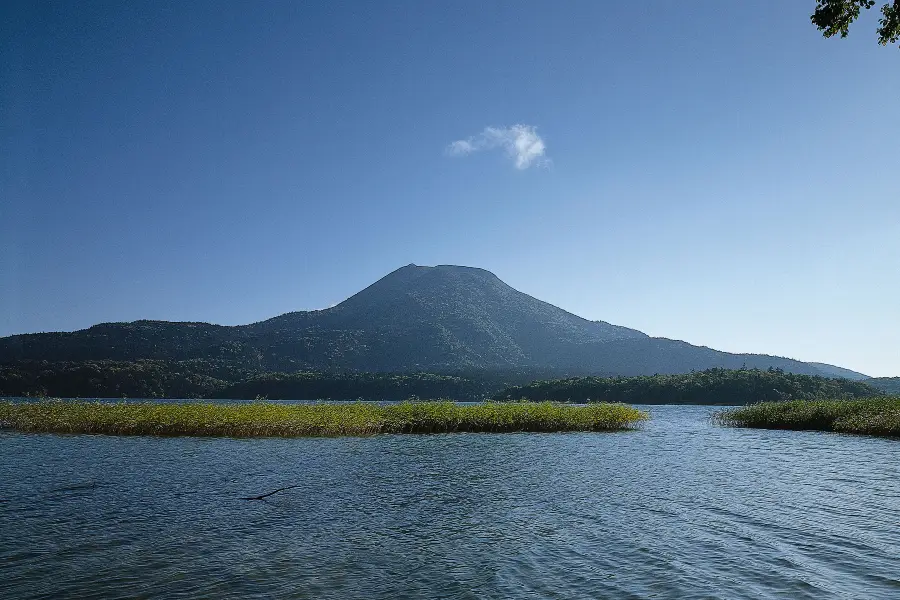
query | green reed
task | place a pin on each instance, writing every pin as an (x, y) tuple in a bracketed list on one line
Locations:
[(870, 416), (298, 420)]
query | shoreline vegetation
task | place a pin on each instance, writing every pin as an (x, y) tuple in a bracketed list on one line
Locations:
[(261, 419), (710, 387), (214, 379), (223, 380), (870, 416)]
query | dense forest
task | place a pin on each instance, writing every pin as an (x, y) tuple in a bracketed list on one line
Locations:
[(228, 380), (714, 386), (888, 385), (119, 379), (348, 386), (208, 378)]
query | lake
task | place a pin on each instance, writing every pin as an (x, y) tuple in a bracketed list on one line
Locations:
[(680, 509)]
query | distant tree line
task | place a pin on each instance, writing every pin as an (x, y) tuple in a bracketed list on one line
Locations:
[(118, 379), (209, 378), (889, 385), (713, 386), (222, 379), (349, 386)]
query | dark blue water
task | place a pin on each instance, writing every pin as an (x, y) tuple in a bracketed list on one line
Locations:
[(682, 509)]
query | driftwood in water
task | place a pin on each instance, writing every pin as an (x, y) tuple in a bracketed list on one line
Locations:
[(264, 496)]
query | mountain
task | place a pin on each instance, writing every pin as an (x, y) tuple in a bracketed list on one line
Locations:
[(888, 385), (438, 319), (833, 371)]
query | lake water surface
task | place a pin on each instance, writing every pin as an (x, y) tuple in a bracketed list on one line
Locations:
[(680, 509)]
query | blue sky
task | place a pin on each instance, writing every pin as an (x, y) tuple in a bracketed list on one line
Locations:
[(704, 170)]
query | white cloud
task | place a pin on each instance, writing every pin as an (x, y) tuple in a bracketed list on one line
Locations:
[(460, 148), (521, 143)]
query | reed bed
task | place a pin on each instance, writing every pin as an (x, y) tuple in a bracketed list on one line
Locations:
[(870, 416), (300, 420)]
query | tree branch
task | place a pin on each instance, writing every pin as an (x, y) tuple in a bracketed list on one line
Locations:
[(264, 496)]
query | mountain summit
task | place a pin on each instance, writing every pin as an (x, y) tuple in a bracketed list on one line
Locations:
[(442, 318), (446, 317)]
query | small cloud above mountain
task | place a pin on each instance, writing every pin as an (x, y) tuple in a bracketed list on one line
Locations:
[(520, 142)]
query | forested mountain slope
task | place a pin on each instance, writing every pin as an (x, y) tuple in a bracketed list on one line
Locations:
[(435, 319)]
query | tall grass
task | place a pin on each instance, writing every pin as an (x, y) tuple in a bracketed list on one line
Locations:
[(870, 416), (283, 420)]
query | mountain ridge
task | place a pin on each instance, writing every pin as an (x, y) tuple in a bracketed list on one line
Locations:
[(417, 318)]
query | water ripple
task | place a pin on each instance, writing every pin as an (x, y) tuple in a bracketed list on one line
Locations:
[(681, 509)]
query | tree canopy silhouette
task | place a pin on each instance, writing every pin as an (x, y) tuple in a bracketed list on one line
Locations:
[(834, 17)]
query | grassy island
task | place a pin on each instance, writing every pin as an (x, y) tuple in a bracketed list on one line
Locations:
[(870, 416), (297, 420)]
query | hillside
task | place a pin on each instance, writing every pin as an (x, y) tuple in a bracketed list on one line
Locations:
[(212, 379), (715, 386), (889, 385), (435, 319), (117, 379), (833, 371)]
